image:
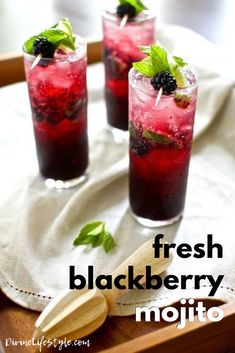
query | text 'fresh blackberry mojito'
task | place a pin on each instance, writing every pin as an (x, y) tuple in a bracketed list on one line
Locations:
[(170, 282)]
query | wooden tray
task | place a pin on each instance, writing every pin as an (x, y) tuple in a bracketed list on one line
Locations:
[(118, 334), (124, 334)]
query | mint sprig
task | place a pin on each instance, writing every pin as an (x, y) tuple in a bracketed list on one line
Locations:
[(137, 4), (95, 234), (179, 61), (158, 137), (145, 67), (158, 60), (60, 35)]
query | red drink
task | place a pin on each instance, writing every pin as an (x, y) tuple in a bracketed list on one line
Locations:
[(58, 98), (120, 49), (160, 147)]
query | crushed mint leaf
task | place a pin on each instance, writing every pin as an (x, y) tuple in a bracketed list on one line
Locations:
[(158, 137)]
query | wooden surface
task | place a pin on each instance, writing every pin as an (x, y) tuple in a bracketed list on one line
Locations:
[(196, 337), (18, 323)]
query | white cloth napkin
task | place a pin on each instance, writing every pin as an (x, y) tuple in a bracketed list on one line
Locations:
[(38, 225)]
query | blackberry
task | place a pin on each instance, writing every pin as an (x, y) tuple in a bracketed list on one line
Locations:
[(165, 80), (126, 9), (55, 118), (42, 46), (140, 146)]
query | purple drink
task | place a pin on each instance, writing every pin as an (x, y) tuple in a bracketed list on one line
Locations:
[(120, 49), (58, 98), (160, 147)]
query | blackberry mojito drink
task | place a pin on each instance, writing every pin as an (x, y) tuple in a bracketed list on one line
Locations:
[(55, 66), (162, 98), (124, 28)]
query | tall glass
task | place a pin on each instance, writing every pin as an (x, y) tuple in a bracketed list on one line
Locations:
[(120, 50), (58, 97), (160, 146)]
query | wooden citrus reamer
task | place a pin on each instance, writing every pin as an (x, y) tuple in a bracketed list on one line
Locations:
[(77, 313)]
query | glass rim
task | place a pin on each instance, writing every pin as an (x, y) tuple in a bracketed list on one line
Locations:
[(107, 14), (152, 92), (80, 43)]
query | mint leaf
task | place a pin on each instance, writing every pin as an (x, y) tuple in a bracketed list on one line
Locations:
[(68, 42), (28, 45), (95, 234), (60, 34), (58, 37), (159, 59), (54, 36), (175, 68), (145, 67), (179, 61), (98, 229), (132, 130), (108, 242), (156, 61), (145, 49), (158, 137), (83, 237), (65, 26), (96, 241), (137, 4)]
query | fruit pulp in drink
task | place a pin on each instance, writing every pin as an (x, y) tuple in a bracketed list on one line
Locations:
[(120, 50), (58, 98), (160, 148)]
